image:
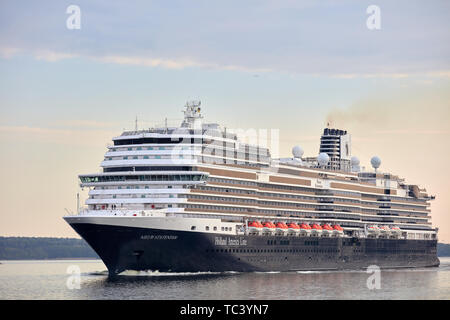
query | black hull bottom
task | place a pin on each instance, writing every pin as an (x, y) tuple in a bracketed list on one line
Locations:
[(129, 248)]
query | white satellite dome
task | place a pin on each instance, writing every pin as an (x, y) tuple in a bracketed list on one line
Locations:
[(376, 162), (354, 161), (297, 152), (323, 159)]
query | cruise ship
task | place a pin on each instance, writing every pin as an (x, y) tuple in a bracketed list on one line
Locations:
[(197, 198)]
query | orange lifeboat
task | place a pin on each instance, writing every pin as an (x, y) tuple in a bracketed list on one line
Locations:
[(326, 229), (316, 229), (373, 229), (337, 229), (396, 229), (254, 226), (268, 227), (293, 227), (281, 227), (305, 228)]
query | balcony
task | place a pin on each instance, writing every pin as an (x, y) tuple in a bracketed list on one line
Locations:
[(325, 201), (323, 193)]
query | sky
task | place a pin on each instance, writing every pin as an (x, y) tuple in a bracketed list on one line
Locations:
[(292, 66)]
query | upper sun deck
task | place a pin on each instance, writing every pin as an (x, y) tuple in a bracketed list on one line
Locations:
[(194, 132), (211, 143)]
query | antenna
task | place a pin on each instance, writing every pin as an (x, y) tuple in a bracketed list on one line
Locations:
[(191, 113), (136, 126), (78, 203)]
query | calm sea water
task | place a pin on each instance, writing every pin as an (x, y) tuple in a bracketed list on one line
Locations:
[(52, 280)]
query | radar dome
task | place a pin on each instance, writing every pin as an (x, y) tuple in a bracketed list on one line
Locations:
[(376, 162), (297, 152), (354, 161), (323, 159)]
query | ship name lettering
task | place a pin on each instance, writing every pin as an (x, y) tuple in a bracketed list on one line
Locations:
[(233, 242), (158, 237), (219, 241)]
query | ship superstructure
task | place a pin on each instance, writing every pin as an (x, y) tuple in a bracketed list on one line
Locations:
[(196, 198)]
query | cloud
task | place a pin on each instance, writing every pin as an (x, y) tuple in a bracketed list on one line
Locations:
[(413, 132), (171, 63), (8, 52), (87, 124), (324, 38), (150, 62), (143, 61), (373, 75), (440, 74), (52, 56), (435, 74), (183, 63), (65, 137)]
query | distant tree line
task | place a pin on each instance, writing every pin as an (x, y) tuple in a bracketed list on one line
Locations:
[(25, 248), (443, 250)]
